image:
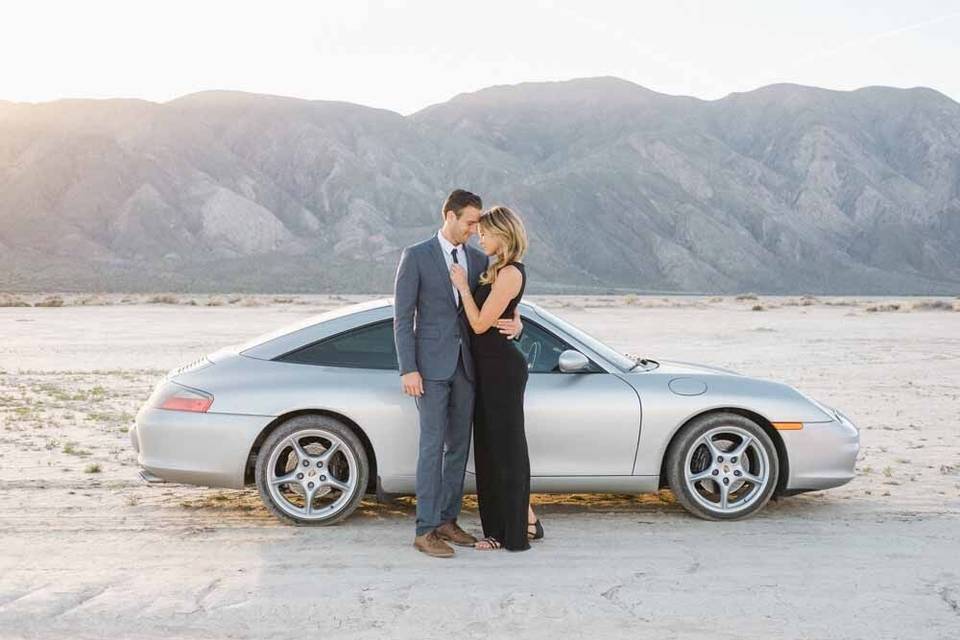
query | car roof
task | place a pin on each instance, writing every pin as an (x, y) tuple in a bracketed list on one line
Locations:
[(269, 345)]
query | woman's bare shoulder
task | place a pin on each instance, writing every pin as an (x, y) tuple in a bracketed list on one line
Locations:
[(509, 277)]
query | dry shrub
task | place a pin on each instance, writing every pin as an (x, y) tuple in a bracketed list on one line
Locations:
[(10, 300), (932, 305), (50, 301)]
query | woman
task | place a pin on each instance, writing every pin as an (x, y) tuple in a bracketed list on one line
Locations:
[(500, 445)]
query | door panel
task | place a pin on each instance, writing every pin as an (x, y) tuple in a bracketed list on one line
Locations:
[(581, 424), (575, 423)]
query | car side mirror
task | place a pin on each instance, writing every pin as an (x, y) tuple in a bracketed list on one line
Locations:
[(572, 361)]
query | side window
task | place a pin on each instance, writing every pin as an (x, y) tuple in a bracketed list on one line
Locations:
[(542, 349), (369, 347)]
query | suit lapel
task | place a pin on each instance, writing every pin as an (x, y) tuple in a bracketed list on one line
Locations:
[(437, 252)]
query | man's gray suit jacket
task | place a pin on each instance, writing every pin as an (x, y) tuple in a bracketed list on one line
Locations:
[(428, 329)]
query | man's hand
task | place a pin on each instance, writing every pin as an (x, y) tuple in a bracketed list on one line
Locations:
[(459, 277), (412, 384), (511, 328)]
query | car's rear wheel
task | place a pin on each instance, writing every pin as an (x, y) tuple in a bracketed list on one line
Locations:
[(722, 466), (312, 470)]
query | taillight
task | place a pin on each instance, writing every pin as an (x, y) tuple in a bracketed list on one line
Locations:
[(179, 398)]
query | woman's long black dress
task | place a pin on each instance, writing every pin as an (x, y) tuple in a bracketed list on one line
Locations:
[(500, 444)]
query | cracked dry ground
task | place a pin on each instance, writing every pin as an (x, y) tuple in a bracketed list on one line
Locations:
[(87, 550)]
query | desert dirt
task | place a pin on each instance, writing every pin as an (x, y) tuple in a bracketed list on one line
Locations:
[(87, 550)]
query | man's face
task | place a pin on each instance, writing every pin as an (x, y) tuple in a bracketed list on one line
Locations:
[(466, 225)]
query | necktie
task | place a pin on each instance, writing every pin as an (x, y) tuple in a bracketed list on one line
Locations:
[(453, 252)]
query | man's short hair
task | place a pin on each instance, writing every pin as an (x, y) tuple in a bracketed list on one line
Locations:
[(458, 200)]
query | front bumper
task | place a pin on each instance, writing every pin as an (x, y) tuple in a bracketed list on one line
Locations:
[(209, 449), (822, 454)]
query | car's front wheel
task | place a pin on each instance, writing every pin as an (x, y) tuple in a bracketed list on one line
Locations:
[(312, 470), (722, 466)]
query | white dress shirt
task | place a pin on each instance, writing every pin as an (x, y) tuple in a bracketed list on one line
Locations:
[(461, 260)]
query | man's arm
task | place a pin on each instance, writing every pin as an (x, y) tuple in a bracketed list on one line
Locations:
[(406, 287), (512, 328)]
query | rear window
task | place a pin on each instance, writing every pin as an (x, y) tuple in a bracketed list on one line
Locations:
[(369, 347)]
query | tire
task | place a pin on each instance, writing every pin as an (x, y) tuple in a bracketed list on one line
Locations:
[(336, 470), (750, 479)]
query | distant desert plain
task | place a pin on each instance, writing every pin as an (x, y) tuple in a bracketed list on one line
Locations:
[(88, 550)]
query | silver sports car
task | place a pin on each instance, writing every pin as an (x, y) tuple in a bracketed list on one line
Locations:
[(314, 415)]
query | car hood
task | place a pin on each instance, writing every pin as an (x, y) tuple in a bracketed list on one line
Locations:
[(678, 367)]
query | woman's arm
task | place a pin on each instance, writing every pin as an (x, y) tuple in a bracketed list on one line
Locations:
[(505, 288)]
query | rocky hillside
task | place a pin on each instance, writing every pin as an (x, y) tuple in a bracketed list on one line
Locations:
[(784, 189)]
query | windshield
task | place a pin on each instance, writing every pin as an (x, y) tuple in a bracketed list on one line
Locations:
[(608, 352)]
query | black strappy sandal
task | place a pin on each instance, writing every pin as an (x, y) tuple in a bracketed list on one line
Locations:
[(537, 530), (493, 544)]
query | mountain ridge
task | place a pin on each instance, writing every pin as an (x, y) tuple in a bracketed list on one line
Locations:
[(787, 188)]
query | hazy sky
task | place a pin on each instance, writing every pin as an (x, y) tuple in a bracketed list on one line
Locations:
[(406, 55)]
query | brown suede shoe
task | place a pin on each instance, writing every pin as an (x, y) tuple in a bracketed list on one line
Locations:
[(431, 544), (451, 532)]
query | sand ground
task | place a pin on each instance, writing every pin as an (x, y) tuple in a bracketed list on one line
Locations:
[(88, 551)]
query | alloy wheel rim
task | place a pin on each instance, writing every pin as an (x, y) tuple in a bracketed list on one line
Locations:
[(726, 470), (312, 474)]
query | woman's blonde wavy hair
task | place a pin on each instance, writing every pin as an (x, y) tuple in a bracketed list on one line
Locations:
[(506, 225)]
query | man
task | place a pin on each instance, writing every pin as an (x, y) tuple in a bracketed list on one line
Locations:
[(436, 368)]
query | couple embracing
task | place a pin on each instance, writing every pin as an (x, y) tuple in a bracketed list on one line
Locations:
[(455, 323)]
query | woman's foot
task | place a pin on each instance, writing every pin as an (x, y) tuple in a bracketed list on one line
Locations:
[(487, 544), (534, 530)]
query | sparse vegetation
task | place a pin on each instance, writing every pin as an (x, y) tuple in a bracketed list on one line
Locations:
[(50, 301), (70, 448), (932, 305), (883, 307), (93, 467), (101, 416), (7, 300), (842, 302)]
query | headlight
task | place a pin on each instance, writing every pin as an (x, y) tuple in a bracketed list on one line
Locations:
[(842, 417), (829, 412)]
